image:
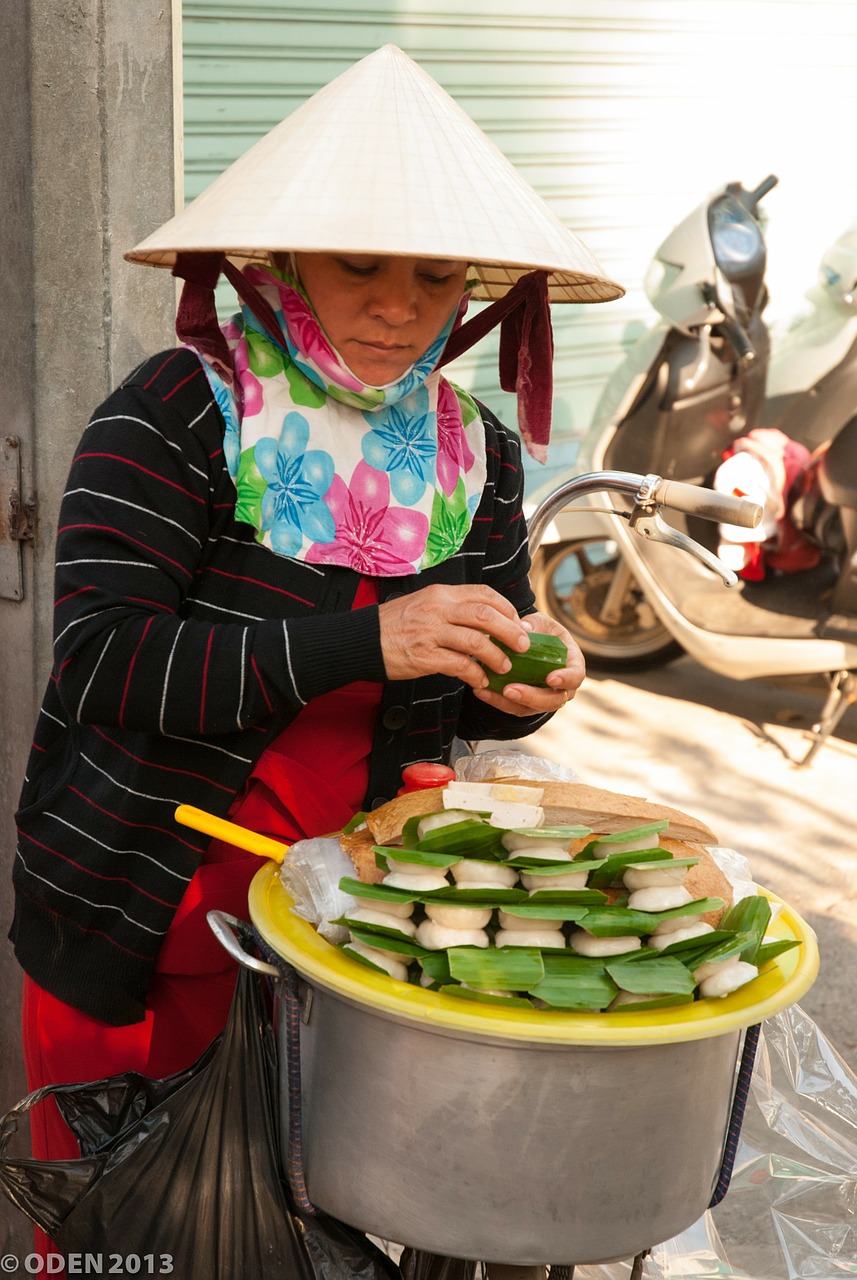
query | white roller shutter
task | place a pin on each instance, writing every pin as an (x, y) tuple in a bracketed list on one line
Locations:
[(623, 114)]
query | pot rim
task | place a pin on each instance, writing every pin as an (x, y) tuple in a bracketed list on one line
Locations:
[(782, 982)]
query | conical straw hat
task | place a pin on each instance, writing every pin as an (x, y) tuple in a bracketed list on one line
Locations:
[(382, 160)]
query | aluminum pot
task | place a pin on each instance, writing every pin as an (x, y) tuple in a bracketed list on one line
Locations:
[(518, 1137), (504, 1151)]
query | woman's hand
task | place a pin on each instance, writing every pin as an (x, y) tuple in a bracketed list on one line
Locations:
[(446, 630), (526, 699)]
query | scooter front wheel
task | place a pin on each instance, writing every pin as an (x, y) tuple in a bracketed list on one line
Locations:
[(585, 585)]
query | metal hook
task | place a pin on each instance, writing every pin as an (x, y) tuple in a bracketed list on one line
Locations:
[(225, 929)]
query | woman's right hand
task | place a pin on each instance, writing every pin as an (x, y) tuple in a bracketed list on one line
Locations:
[(444, 629)]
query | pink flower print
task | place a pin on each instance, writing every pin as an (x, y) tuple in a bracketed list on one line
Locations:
[(310, 341), (250, 384), (454, 455), (370, 536)]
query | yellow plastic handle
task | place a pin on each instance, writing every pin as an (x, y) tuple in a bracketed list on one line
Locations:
[(241, 837)]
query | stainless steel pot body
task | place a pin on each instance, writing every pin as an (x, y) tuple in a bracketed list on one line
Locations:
[(502, 1150)]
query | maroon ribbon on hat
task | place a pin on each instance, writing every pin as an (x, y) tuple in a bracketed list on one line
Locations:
[(526, 353), (196, 318)]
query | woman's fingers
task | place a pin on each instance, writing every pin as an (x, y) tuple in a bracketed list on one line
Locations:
[(569, 678), (562, 684), (447, 630), (525, 699)]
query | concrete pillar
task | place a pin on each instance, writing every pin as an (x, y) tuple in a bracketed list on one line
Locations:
[(89, 156)]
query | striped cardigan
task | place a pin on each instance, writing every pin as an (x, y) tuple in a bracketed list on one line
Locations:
[(182, 648)]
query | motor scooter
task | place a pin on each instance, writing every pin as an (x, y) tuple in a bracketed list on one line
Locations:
[(691, 386)]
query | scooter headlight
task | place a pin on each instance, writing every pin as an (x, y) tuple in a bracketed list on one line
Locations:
[(735, 238)]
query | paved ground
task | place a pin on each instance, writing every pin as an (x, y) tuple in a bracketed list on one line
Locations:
[(724, 750)]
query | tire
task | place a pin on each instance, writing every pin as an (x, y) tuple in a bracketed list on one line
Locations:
[(570, 581)]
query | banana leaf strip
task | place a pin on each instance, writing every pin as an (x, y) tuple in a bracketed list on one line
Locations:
[(484, 997), (528, 860), (355, 955), (377, 892), (727, 950), (386, 931), (435, 965), (573, 897), (675, 862), (592, 966), (500, 968), (547, 911), (555, 867), (657, 1002), (752, 916), (610, 869), (475, 897), (419, 857), (622, 837), (552, 833), (692, 944), (699, 907), (616, 922), (664, 976), (636, 957), (584, 992), (471, 838), (372, 937), (770, 950)]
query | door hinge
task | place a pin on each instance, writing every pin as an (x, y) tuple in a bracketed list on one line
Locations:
[(22, 518), (17, 520)]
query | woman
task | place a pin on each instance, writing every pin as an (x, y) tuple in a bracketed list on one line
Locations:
[(284, 551)]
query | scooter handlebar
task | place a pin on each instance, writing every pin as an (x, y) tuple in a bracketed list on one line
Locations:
[(693, 500)]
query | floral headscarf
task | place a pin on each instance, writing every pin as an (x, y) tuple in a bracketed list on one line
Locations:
[(384, 480)]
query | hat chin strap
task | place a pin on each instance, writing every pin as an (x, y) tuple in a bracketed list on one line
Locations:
[(526, 336), (526, 353), (196, 318)]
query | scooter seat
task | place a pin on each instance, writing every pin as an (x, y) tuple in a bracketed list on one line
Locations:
[(792, 606)]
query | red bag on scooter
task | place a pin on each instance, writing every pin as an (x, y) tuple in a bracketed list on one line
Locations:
[(764, 466)]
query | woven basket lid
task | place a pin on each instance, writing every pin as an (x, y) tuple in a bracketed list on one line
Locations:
[(383, 160)]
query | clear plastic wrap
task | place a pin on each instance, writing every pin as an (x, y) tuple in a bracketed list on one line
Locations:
[(311, 874), (486, 765), (736, 869), (791, 1209)]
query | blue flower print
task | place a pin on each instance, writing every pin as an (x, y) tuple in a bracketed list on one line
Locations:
[(225, 400), (292, 507), (231, 449), (403, 443)]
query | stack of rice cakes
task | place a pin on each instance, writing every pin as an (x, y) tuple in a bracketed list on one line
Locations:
[(555, 895)]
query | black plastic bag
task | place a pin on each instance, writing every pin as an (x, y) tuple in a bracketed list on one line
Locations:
[(186, 1167)]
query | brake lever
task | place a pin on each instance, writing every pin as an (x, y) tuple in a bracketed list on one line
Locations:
[(648, 523)]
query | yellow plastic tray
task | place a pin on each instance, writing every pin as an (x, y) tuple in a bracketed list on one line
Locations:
[(782, 982)]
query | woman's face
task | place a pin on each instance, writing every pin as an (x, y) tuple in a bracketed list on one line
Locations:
[(379, 312)]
